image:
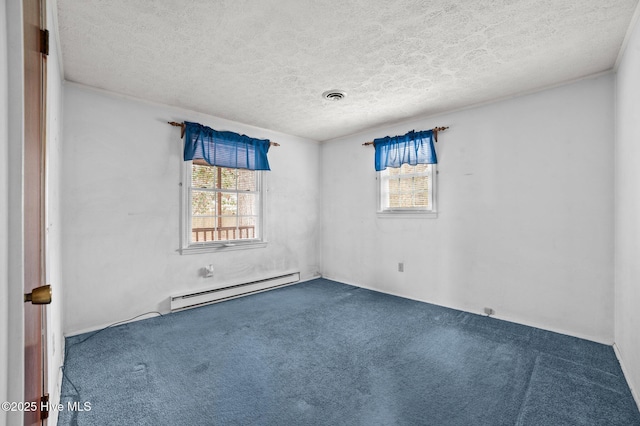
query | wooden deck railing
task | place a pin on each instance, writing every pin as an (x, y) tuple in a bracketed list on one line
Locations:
[(224, 233)]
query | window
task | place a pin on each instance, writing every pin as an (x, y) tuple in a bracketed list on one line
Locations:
[(407, 189), (222, 206)]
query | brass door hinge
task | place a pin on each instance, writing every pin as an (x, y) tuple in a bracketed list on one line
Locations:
[(44, 42), (44, 406)]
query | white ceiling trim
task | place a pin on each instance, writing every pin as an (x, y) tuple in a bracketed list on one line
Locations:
[(410, 121), (627, 36), (266, 63)]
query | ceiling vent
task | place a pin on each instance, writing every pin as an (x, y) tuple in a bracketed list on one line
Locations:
[(334, 95)]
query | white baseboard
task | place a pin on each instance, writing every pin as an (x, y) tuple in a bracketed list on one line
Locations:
[(154, 314), (591, 338), (146, 315), (634, 392)]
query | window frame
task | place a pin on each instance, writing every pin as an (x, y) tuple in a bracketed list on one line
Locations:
[(408, 212), (189, 247)]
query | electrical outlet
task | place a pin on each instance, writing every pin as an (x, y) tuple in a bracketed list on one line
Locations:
[(401, 267), (489, 311), (207, 271)]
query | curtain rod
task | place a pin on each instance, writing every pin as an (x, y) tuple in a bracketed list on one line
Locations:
[(435, 134), (182, 126)]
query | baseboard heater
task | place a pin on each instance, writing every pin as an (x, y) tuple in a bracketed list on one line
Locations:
[(206, 297)]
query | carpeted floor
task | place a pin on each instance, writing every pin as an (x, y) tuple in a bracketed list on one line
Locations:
[(325, 353)]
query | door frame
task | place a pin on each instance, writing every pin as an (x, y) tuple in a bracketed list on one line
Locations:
[(34, 197)]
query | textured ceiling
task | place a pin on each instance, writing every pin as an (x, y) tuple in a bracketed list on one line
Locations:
[(266, 63)]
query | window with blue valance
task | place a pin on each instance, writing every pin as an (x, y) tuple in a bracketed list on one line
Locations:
[(412, 148), (225, 149)]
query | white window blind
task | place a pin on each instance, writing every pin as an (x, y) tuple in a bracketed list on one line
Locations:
[(222, 206), (407, 189)]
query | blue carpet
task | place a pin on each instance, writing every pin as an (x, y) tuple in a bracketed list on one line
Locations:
[(325, 353)]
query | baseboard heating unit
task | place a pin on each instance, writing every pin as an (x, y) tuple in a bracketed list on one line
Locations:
[(205, 297)]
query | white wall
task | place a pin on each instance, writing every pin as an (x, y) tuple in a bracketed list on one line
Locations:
[(121, 203), (525, 220), (15, 358), (627, 206), (4, 210)]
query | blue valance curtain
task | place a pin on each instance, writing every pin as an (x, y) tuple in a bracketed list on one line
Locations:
[(225, 149), (412, 148)]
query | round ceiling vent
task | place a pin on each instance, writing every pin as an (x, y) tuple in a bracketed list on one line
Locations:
[(334, 95)]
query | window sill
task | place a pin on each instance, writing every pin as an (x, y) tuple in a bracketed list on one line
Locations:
[(212, 248), (406, 215)]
